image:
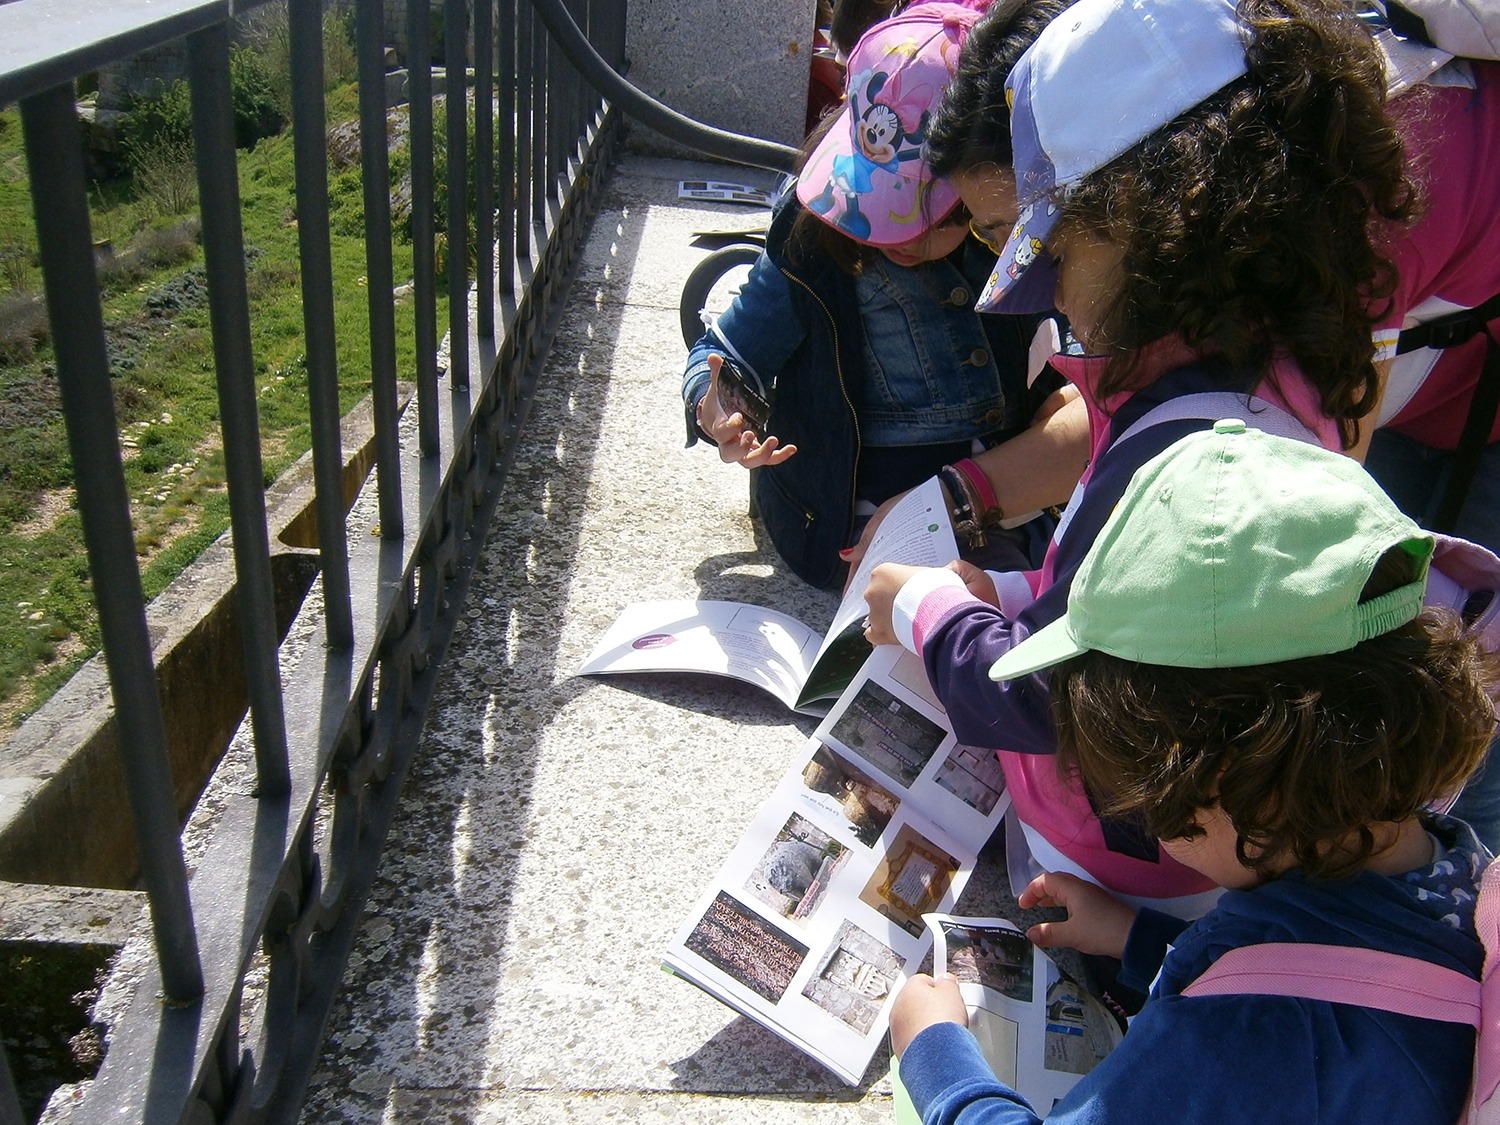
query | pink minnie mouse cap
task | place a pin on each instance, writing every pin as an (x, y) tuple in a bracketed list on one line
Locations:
[(1102, 77), (867, 177)]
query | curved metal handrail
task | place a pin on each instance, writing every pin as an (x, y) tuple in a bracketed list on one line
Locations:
[(647, 110)]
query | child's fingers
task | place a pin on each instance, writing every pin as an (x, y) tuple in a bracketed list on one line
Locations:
[(1049, 935), (1051, 888)]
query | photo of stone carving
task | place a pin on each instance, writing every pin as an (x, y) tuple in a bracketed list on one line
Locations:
[(910, 879), (854, 977), (733, 938), (997, 958), (866, 804), (892, 736), (973, 775), (794, 874)]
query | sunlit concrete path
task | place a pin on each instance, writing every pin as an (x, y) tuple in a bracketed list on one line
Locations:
[(554, 831)]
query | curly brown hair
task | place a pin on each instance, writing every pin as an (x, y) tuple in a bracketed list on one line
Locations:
[(1253, 222), (1302, 756)]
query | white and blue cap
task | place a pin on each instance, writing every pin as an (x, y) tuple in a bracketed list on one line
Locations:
[(1103, 76)]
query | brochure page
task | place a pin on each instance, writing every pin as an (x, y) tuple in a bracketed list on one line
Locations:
[(815, 920), (1039, 1030)]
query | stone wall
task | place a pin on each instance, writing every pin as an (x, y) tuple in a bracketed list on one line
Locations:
[(740, 65)]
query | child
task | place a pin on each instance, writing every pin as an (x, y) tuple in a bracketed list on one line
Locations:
[(1245, 670), (858, 320), (1211, 233)]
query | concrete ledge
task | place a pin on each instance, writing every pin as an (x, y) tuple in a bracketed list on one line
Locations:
[(64, 815)]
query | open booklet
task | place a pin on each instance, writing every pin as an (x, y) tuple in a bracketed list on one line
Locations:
[(769, 649), (1039, 1031), (814, 921)]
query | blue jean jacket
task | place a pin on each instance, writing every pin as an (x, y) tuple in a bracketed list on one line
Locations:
[(878, 380)]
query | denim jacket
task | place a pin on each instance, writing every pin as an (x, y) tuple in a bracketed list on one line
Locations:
[(894, 359)]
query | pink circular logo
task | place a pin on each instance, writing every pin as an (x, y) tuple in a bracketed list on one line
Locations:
[(655, 640)]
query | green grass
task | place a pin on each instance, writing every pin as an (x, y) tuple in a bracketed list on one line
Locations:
[(165, 396)]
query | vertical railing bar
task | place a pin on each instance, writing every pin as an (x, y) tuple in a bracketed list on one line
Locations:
[(620, 39), (556, 114), (234, 364), (484, 165), (583, 92), (423, 240), (562, 82), (455, 55), (375, 166), (310, 156), (525, 64), (59, 200), (539, 134), (10, 1102), (506, 173)]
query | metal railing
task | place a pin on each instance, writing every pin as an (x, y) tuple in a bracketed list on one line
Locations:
[(333, 734)]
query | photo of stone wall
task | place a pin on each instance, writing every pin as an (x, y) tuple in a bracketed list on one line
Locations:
[(891, 735), (736, 940)]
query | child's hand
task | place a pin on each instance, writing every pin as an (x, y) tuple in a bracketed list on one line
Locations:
[(922, 1003), (1097, 921), (736, 444), (886, 581), (976, 581)]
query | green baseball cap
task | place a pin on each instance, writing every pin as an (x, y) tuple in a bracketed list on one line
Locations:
[(1231, 548)]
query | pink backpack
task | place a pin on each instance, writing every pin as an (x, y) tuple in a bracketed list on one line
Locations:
[(1372, 978)]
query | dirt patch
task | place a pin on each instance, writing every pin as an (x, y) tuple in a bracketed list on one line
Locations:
[(51, 506)]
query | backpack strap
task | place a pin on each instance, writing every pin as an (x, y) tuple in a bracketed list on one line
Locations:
[(1447, 332), (1487, 924), (1256, 413), (1369, 978)]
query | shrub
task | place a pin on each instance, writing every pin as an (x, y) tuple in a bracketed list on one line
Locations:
[(166, 176), (167, 118)]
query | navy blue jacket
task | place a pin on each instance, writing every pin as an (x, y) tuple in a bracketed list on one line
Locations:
[(1253, 1060), (899, 353)]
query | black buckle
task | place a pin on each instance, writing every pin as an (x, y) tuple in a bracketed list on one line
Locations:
[(1444, 332)]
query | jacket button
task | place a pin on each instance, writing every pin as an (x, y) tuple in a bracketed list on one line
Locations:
[(959, 296), (979, 357), (991, 417)]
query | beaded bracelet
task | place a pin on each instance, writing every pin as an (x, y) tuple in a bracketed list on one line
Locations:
[(965, 501)]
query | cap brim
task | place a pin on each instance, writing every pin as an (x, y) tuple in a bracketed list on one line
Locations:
[(1049, 645), (1025, 277)]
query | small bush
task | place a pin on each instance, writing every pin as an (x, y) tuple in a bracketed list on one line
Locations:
[(166, 176), (23, 326), (257, 111), (267, 30), (15, 265), (167, 118)]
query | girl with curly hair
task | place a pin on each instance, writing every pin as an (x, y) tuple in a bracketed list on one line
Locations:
[(1199, 187), (1246, 667)]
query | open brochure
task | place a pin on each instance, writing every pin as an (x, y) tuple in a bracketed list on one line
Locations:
[(814, 921), (769, 649), (1039, 1031)]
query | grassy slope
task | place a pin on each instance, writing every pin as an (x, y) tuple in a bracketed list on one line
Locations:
[(167, 407)]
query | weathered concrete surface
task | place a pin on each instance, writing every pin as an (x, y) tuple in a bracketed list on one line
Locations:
[(741, 66), (64, 815), (555, 831)]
